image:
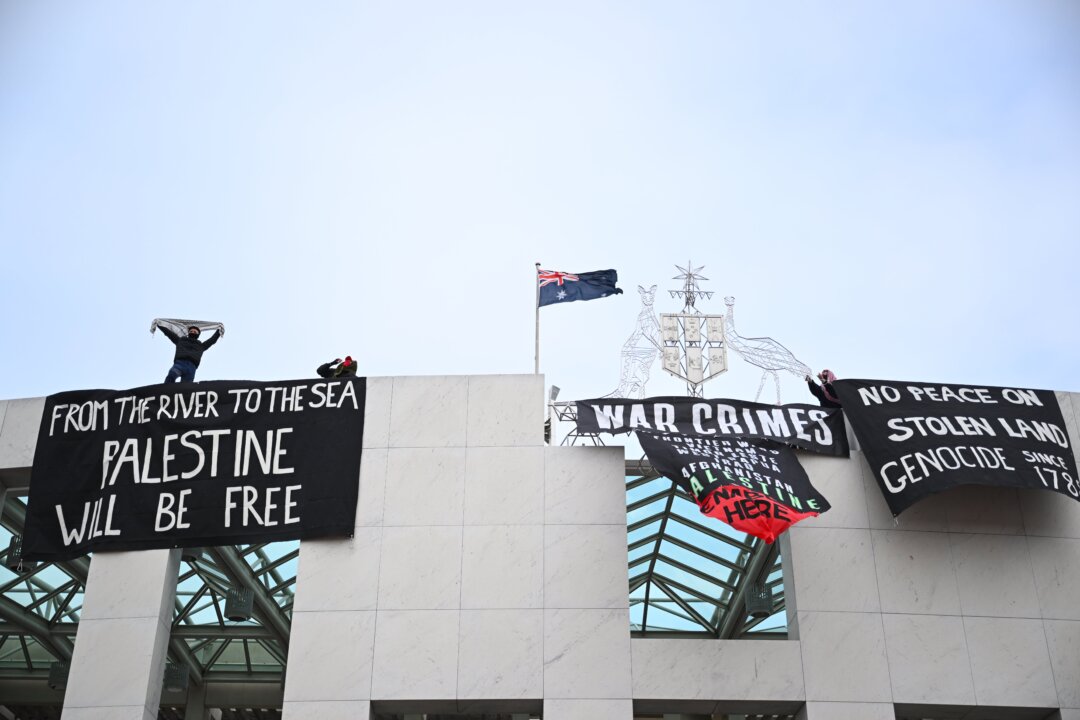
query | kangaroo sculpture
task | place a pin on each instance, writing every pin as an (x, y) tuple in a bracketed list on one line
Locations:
[(640, 350), (764, 352)]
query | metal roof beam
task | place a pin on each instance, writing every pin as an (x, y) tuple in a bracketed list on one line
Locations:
[(633, 468), (205, 632), (14, 519), (181, 653), (655, 517), (638, 504), (687, 608), (652, 561), (760, 562), (704, 554), (676, 585), (33, 625), (266, 610), (700, 527), (705, 577)]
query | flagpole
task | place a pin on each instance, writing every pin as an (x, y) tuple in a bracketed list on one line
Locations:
[(536, 357)]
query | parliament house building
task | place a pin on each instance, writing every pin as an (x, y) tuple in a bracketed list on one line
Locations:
[(494, 574)]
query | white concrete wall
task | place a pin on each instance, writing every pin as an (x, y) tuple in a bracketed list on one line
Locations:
[(969, 598), (119, 659), (487, 571), (490, 571), (19, 421), (714, 676)]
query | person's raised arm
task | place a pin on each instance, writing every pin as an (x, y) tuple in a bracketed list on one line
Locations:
[(326, 370), (168, 333), (213, 339)]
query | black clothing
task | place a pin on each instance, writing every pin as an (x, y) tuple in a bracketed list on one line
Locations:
[(823, 399), (325, 370), (189, 348)]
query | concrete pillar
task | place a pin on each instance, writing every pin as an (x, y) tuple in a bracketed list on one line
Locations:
[(332, 637), (196, 703), (833, 602), (119, 658)]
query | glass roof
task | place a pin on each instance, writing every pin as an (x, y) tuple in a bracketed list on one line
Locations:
[(689, 574), (249, 650), (39, 602), (40, 605)]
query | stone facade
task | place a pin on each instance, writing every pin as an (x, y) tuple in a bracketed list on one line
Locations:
[(488, 572)]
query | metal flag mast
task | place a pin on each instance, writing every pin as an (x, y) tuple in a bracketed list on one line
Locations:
[(536, 356), (562, 411)]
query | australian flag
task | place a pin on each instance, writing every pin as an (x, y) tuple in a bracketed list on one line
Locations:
[(559, 287)]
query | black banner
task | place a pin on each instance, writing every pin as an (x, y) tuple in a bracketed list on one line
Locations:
[(807, 427), (756, 486), (922, 438), (213, 463)]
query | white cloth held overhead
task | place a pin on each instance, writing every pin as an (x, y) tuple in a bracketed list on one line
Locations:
[(180, 327)]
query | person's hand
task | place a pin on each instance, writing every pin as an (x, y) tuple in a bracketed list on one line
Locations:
[(807, 378), (335, 361)]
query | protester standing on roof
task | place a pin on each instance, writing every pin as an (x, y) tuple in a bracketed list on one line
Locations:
[(338, 368), (824, 392), (189, 348)]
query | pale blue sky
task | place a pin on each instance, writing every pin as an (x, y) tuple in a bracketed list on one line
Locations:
[(890, 189)]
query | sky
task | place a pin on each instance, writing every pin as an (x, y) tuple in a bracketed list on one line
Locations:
[(891, 190)]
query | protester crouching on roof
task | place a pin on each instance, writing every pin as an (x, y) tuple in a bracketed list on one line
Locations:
[(338, 368), (824, 392), (188, 354)]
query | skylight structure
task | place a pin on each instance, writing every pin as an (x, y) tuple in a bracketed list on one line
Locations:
[(689, 574)]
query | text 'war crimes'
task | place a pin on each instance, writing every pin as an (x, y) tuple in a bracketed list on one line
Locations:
[(719, 418)]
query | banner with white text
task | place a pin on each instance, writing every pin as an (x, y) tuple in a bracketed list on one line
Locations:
[(922, 438), (195, 464), (756, 486), (807, 427)]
